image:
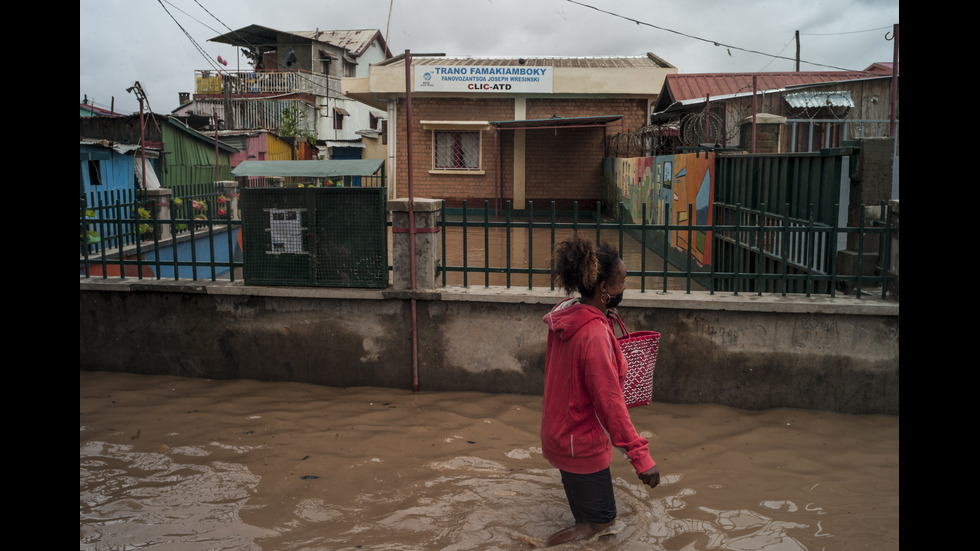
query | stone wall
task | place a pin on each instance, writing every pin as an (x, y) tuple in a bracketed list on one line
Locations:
[(834, 354)]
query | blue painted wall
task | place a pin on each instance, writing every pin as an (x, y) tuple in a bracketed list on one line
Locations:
[(116, 170), (200, 253)]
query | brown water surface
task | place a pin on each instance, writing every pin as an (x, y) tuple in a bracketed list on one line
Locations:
[(200, 464)]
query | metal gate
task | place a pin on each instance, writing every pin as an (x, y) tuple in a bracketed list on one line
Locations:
[(785, 210), (323, 237)]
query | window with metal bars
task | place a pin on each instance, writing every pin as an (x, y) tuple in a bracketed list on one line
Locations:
[(457, 150)]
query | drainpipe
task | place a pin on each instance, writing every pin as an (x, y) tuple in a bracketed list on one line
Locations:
[(411, 217), (755, 109)]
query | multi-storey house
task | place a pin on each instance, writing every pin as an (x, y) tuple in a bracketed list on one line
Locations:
[(293, 89)]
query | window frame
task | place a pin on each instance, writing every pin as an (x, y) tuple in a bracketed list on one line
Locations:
[(338, 117), (435, 127)]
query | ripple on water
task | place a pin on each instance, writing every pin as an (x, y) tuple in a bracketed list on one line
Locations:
[(189, 463)]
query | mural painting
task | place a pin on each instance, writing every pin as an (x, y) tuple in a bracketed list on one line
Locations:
[(694, 192), (666, 183)]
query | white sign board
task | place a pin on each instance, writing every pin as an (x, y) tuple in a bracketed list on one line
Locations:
[(285, 231), (482, 79)]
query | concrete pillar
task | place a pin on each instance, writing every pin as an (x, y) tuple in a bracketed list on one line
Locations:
[(871, 178), (870, 186), (428, 243), (229, 188), (160, 199), (893, 266)]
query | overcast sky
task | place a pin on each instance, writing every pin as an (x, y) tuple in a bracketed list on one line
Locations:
[(160, 43)]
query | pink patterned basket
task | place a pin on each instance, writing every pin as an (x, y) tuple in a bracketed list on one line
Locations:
[(640, 349)]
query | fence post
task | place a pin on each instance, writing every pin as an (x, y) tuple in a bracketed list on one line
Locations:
[(427, 243), (160, 201), (893, 248), (229, 188), (870, 183)]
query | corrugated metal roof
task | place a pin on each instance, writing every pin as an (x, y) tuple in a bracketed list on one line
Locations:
[(355, 41), (881, 67), (682, 87), (257, 36), (115, 146), (182, 127), (627, 62), (811, 100), (313, 169)]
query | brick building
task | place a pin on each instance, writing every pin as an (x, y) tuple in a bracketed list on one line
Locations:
[(498, 129)]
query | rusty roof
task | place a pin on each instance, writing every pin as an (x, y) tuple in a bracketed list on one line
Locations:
[(688, 88), (693, 86)]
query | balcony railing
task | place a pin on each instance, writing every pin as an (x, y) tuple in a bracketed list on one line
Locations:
[(256, 112), (274, 82)]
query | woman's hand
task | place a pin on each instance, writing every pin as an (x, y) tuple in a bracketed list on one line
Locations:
[(652, 477)]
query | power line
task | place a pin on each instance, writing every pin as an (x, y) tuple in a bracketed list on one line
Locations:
[(189, 15), (232, 31), (849, 32), (780, 51), (212, 16), (191, 39), (716, 43)]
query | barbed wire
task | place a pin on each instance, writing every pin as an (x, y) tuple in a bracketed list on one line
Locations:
[(718, 124)]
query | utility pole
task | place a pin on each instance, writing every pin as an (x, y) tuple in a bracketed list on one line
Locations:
[(894, 91), (797, 51), (138, 90)]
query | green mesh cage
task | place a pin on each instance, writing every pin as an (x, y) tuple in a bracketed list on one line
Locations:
[(323, 237)]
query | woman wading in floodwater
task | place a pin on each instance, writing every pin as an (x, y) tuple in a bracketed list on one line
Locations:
[(584, 413)]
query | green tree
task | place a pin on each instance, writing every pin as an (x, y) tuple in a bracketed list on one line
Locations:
[(294, 125)]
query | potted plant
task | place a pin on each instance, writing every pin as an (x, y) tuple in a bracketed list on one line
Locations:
[(91, 236)]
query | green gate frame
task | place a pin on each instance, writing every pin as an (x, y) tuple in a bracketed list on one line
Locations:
[(315, 237)]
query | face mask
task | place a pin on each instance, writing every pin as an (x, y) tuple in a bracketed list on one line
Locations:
[(614, 301)]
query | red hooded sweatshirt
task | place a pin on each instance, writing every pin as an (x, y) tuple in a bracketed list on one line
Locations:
[(584, 413)]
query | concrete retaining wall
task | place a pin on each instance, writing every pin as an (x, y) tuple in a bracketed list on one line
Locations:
[(750, 352)]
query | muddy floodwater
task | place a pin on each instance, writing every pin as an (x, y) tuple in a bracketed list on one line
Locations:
[(201, 464)]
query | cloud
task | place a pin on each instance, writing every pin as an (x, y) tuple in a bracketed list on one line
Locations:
[(162, 43)]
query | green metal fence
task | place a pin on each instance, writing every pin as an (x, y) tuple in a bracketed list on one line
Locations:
[(773, 252), (338, 237), (767, 252), (128, 239), (108, 220), (328, 237)]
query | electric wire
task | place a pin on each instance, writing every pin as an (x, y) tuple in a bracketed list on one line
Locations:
[(189, 37), (715, 42), (242, 40)]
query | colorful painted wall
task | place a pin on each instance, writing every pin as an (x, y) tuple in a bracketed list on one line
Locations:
[(667, 180), (188, 256)]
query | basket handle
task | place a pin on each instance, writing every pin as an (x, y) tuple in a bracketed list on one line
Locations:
[(622, 327)]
